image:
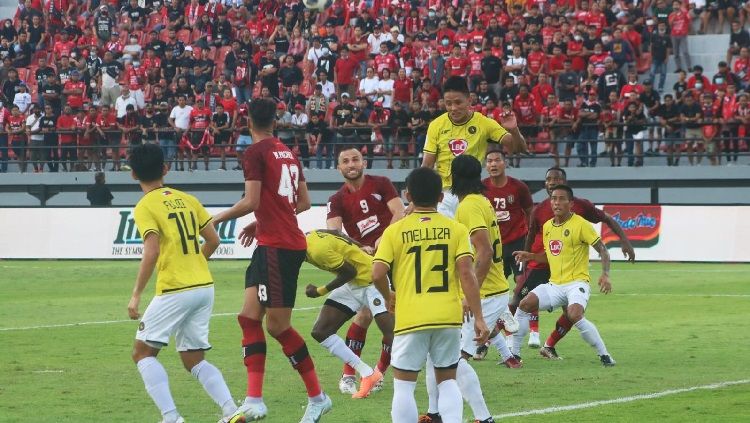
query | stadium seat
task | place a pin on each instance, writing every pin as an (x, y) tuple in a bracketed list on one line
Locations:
[(223, 51), (643, 64), (154, 19), (23, 74), (184, 36)]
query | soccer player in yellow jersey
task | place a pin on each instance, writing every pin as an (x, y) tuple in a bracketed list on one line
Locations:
[(463, 131), (170, 223), (566, 238), (350, 291), (431, 261)]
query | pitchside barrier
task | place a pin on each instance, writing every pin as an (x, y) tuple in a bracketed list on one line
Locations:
[(658, 233)]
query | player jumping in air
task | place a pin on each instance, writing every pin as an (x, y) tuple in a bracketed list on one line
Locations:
[(350, 290), (169, 222), (428, 254), (276, 191), (463, 131), (365, 205), (538, 273), (566, 239)]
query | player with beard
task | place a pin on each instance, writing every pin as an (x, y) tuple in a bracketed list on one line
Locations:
[(364, 206), (538, 273)]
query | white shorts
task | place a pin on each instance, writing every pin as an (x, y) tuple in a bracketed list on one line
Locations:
[(182, 314), (552, 296), (350, 298), (492, 307), (409, 351), (448, 206)]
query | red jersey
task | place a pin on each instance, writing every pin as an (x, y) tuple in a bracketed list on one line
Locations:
[(75, 100), (541, 92), (16, 123), (679, 21), (627, 89), (577, 63), (457, 66), (63, 48), (135, 77), (510, 202), (543, 212), (4, 116), (279, 172), (230, 105), (741, 68), (598, 20), (402, 90), (535, 61), (345, 69), (66, 123), (364, 212), (463, 41), (108, 121), (525, 109), (200, 118), (385, 61), (548, 32), (475, 61), (598, 61)]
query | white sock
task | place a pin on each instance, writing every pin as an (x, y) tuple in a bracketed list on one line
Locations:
[(468, 382), (590, 334), (404, 406), (502, 346), (432, 387), (450, 405), (157, 385), (336, 346), (523, 329), (213, 382)]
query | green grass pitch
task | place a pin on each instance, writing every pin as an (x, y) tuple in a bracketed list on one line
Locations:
[(669, 326)]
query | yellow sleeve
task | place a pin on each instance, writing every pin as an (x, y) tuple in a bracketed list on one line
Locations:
[(431, 143), (464, 245), (145, 220), (203, 216), (385, 251), (588, 234), (323, 255), (469, 213), (495, 131)]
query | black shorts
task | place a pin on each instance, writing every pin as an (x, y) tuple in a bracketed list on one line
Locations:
[(531, 279), (509, 262), (275, 272)]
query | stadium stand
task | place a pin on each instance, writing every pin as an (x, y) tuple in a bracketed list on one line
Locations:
[(88, 54)]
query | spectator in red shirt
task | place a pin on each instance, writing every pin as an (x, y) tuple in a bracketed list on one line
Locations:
[(75, 90), (741, 67), (476, 74), (698, 81), (567, 116), (344, 69), (633, 86), (64, 46), (385, 60), (403, 89), (66, 124), (679, 22), (200, 119), (542, 90), (536, 60), (457, 64)]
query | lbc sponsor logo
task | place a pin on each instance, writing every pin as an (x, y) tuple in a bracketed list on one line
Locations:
[(458, 146), (555, 247)]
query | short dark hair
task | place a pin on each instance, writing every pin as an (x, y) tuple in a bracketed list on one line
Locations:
[(493, 151), (424, 186), (565, 188), (466, 172), (262, 112), (147, 162), (559, 169), (457, 84)]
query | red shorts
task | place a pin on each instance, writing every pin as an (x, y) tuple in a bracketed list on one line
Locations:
[(275, 272)]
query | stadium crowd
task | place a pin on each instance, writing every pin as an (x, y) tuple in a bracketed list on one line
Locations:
[(82, 80)]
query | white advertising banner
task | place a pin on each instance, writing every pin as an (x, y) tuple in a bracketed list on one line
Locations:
[(658, 233)]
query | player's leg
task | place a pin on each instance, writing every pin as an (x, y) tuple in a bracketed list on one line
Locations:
[(385, 322), (495, 309), (444, 351), (191, 339), (562, 327), (409, 353), (356, 336), (277, 294), (156, 326), (578, 296), (338, 309), (546, 297)]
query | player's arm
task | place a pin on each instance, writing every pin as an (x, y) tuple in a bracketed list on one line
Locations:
[(480, 239), (396, 206), (605, 285), (428, 160), (247, 204), (303, 198), (210, 240), (627, 247), (513, 140), (146, 269), (380, 280), (470, 288), (524, 256), (430, 146), (344, 274), (533, 229), (335, 223)]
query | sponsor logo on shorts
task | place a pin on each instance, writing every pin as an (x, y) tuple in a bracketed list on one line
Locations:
[(458, 146), (141, 326), (555, 247), (376, 301)]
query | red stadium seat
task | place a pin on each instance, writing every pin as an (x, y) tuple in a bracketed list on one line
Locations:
[(23, 74), (223, 51), (184, 36)]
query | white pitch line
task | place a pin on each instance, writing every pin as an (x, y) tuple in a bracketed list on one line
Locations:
[(622, 400), (109, 322), (47, 371), (684, 295)]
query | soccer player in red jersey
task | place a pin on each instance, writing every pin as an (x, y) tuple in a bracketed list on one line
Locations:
[(538, 273), (200, 119), (276, 191), (365, 205)]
